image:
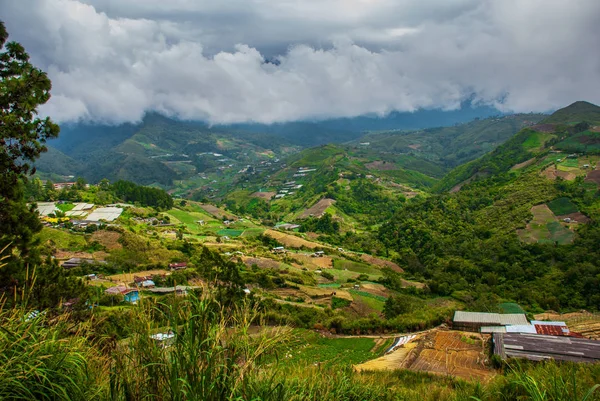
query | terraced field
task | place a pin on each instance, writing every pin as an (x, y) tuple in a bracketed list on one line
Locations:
[(452, 353)]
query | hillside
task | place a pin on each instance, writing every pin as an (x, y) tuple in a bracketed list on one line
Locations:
[(531, 144), (445, 147), (576, 112)]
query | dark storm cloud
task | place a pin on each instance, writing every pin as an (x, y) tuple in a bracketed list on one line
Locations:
[(112, 60)]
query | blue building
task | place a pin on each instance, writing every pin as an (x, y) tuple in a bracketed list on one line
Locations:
[(131, 296)]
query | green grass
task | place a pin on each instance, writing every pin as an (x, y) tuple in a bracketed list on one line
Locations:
[(560, 234), (586, 141), (342, 264), (230, 232), (368, 299), (536, 140), (65, 207), (63, 239), (309, 347), (562, 206)]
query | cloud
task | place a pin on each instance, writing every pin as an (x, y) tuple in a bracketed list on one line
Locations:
[(111, 61)]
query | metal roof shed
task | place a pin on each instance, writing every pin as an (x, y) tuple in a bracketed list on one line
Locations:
[(513, 319)]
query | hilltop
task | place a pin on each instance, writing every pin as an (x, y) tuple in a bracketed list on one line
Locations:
[(576, 112)]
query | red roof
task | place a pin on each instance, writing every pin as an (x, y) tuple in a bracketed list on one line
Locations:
[(551, 330), (179, 264)]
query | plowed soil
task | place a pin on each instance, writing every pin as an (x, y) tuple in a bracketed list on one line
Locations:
[(317, 209), (452, 353), (593, 176), (264, 195), (291, 240), (109, 239), (381, 262)]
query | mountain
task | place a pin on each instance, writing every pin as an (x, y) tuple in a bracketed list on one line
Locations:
[(533, 143), (576, 112)]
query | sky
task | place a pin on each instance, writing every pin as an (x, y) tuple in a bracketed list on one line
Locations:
[(228, 61)]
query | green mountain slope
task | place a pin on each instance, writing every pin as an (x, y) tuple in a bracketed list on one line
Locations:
[(447, 147), (576, 112)]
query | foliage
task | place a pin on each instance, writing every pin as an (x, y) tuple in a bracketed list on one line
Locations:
[(145, 196)]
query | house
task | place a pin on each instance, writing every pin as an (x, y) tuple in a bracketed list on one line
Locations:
[(76, 262), (567, 219), (474, 321), (551, 328), (131, 296), (286, 226), (357, 286), (147, 284), (278, 249), (318, 254), (178, 266), (62, 185)]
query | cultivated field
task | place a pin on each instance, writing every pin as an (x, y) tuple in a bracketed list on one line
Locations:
[(264, 263), (391, 361), (318, 209), (451, 353), (381, 262), (109, 239), (215, 211), (545, 227), (593, 176), (381, 165), (522, 165), (292, 241), (325, 262), (126, 278), (264, 195)]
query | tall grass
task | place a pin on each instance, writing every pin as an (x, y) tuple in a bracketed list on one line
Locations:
[(40, 360), (219, 354)]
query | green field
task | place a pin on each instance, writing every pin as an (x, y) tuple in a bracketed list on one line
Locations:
[(562, 206), (536, 140), (230, 232), (342, 264), (309, 348), (63, 239), (586, 141), (375, 302)]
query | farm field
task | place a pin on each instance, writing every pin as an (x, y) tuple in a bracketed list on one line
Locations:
[(310, 348), (393, 360), (545, 227), (292, 241), (453, 353), (317, 209), (381, 262), (126, 278)]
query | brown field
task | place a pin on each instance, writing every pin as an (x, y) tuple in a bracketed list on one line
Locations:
[(416, 284), (292, 241), (544, 127), (263, 263), (415, 146), (381, 166), (452, 353), (381, 262), (391, 361), (524, 164), (593, 176), (264, 195), (595, 128), (325, 262), (109, 239), (68, 255), (127, 278), (215, 211), (552, 172), (317, 209), (376, 289), (577, 217)]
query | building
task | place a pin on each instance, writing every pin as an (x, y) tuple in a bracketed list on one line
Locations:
[(178, 266), (551, 328), (278, 249), (474, 321), (129, 294), (77, 262), (318, 254), (538, 347)]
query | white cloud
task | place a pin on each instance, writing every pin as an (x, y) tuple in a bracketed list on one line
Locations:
[(114, 60)]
